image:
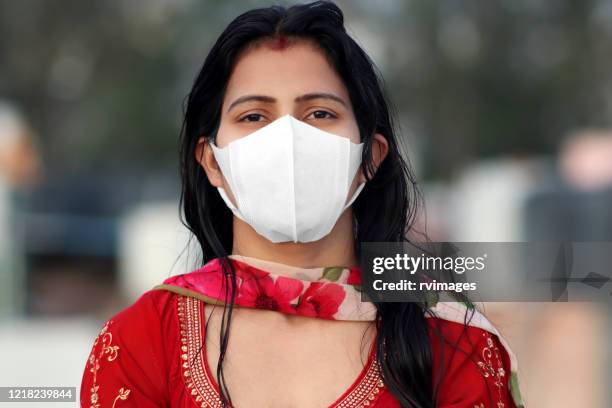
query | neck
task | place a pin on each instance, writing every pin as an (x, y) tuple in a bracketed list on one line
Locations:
[(336, 248)]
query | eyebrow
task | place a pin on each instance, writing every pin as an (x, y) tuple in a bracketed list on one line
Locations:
[(299, 99)]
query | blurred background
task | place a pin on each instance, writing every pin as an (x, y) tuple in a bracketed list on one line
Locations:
[(505, 108)]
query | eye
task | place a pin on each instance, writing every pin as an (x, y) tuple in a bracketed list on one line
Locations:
[(322, 114), (251, 117)]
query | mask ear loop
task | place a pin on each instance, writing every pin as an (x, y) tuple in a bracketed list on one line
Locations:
[(355, 195), (231, 206), (222, 191), (362, 185)]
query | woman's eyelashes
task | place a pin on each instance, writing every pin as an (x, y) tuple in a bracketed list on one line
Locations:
[(321, 114), (318, 114), (251, 117)]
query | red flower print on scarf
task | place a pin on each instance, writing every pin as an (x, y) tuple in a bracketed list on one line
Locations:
[(206, 282), (245, 271), (210, 280), (354, 277), (321, 299), (267, 293), (257, 288)]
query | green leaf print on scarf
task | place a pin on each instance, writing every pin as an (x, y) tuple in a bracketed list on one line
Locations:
[(332, 273)]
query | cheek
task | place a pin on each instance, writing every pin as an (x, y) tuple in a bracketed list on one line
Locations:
[(227, 133), (352, 129)]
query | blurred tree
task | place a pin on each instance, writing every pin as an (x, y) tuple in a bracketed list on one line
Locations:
[(104, 82)]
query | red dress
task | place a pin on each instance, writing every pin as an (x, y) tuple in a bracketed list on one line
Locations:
[(147, 356)]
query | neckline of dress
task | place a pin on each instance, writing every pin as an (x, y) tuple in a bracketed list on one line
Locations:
[(358, 385)]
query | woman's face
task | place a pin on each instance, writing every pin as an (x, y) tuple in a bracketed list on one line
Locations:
[(269, 83)]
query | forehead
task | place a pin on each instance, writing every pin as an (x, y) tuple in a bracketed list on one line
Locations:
[(299, 68)]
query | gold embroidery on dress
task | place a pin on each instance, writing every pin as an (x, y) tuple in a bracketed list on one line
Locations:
[(123, 394), (488, 370), (200, 383), (105, 337), (366, 391), (194, 374)]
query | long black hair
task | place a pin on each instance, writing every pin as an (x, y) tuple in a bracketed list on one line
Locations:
[(385, 210)]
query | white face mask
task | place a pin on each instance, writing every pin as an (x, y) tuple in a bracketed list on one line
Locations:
[(290, 179)]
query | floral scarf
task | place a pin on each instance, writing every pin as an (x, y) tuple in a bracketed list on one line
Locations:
[(324, 292), (332, 292)]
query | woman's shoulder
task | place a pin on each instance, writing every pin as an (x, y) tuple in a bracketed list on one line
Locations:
[(471, 361), (136, 322), (154, 304), (142, 322)]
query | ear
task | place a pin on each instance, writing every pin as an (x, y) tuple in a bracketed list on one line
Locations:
[(204, 155), (380, 148)]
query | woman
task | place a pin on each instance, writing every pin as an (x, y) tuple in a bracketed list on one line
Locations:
[(288, 115)]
